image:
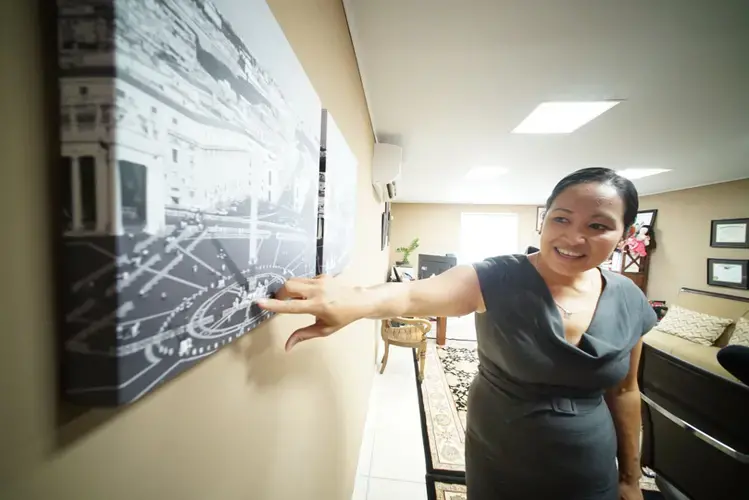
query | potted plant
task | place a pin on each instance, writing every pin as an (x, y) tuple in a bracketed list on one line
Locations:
[(406, 251)]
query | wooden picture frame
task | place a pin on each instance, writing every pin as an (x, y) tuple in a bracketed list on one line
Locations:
[(728, 273), (729, 233)]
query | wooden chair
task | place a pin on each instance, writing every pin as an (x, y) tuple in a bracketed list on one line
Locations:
[(406, 332)]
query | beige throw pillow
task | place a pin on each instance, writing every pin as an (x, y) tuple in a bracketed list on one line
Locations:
[(697, 327), (740, 335)]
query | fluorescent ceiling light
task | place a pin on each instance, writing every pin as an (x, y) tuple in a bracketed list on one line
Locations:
[(485, 173), (639, 173), (562, 117)]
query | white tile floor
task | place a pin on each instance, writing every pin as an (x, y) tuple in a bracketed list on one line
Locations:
[(391, 461)]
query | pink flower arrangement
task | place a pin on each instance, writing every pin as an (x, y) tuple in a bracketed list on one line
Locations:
[(636, 242)]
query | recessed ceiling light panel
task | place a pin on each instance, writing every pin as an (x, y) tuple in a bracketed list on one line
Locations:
[(485, 173), (639, 173), (562, 117)]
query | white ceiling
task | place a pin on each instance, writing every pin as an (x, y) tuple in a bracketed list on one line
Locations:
[(449, 79)]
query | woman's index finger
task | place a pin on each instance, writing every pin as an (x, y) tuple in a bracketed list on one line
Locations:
[(284, 306)]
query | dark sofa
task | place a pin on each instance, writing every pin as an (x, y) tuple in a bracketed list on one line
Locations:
[(695, 429)]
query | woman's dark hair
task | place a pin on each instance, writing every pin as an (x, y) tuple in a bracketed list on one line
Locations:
[(623, 186)]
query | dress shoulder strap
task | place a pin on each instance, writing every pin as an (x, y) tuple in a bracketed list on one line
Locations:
[(499, 276)]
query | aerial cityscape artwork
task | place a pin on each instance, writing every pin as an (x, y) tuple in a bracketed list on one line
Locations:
[(336, 200), (190, 162)]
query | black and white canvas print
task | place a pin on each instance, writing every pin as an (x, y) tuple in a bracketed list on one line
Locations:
[(337, 199), (190, 141)]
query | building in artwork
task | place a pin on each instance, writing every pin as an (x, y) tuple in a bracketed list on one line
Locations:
[(189, 124)]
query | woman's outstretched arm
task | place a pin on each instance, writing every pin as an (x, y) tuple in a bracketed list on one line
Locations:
[(455, 292)]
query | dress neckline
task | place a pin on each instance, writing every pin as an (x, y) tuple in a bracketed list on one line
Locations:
[(558, 322)]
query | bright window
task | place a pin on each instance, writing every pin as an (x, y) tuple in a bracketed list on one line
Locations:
[(485, 235)]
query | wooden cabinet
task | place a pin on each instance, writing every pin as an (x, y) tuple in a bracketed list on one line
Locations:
[(642, 238), (635, 268), (640, 279)]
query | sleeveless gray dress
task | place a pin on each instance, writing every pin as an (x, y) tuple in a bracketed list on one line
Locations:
[(537, 425)]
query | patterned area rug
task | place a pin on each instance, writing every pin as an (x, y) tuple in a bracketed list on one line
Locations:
[(444, 393), (456, 490), (441, 490), (443, 396)]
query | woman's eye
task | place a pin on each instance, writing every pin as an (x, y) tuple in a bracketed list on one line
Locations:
[(599, 227), (561, 220)]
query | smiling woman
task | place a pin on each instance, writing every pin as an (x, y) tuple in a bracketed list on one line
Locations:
[(587, 215), (559, 343)]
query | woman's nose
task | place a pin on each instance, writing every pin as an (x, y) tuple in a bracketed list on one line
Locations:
[(576, 237)]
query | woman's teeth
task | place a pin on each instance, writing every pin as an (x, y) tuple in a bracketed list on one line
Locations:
[(568, 254)]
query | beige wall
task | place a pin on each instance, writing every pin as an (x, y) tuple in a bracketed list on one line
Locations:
[(682, 229), (683, 232), (438, 226), (250, 422)]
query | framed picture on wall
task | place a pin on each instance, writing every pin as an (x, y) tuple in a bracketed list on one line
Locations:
[(385, 229), (336, 199), (729, 273), (729, 233), (189, 161), (540, 214), (389, 224), (646, 218)]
